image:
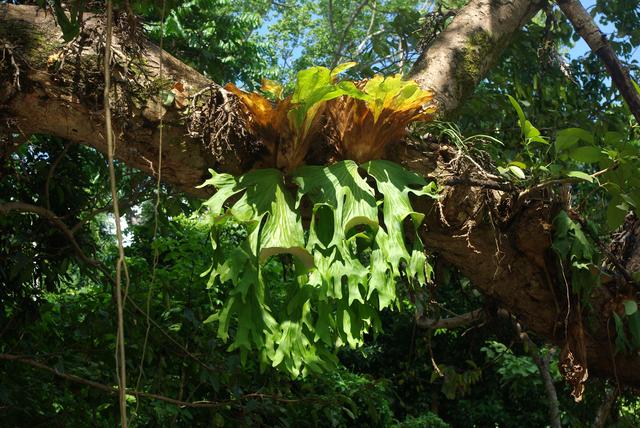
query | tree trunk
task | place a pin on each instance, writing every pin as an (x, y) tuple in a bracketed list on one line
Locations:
[(500, 243)]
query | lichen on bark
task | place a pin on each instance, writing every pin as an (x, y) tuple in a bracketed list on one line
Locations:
[(472, 60)]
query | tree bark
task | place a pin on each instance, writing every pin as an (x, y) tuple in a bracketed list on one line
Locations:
[(589, 31), (503, 247), (462, 54), (59, 94)]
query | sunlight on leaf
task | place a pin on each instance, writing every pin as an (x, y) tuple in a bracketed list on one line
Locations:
[(346, 265)]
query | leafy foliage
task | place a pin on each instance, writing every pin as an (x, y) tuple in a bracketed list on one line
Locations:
[(214, 37), (571, 244), (70, 25), (346, 268), (369, 119)]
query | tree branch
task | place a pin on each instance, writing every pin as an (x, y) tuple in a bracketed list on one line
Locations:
[(543, 368), (338, 52), (597, 41), (462, 54), (53, 218), (504, 259), (604, 411), (114, 390), (472, 317)]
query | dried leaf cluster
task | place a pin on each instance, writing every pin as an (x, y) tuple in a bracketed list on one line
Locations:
[(359, 120)]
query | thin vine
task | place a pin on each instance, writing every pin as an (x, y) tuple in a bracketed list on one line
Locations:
[(120, 264)]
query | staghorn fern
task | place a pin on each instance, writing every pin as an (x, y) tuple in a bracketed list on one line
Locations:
[(349, 259), (337, 295), (363, 118)]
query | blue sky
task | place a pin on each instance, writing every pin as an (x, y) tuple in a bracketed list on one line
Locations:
[(581, 47)]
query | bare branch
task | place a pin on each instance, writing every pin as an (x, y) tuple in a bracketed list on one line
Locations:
[(543, 368), (370, 32), (330, 17)]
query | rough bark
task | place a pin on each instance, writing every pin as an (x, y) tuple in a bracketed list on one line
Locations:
[(59, 94), (500, 244), (504, 248)]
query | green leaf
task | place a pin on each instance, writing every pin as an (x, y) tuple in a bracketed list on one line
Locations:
[(520, 165), (581, 175), (586, 154), (393, 93), (613, 137), (313, 86), (342, 68), (615, 215), (356, 262), (211, 318), (521, 117), (566, 139), (517, 171), (622, 344), (396, 184), (266, 201), (630, 307)]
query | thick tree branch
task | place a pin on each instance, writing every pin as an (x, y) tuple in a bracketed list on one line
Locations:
[(597, 41), (462, 55), (509, 258), (60, 94)]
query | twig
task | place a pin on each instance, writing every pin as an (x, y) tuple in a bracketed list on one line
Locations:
[(53, 218), (612, 258), (597, 41), (563, 180), (400, 53), (487, 184), (116, 390), (370, 34), (330, 17)]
